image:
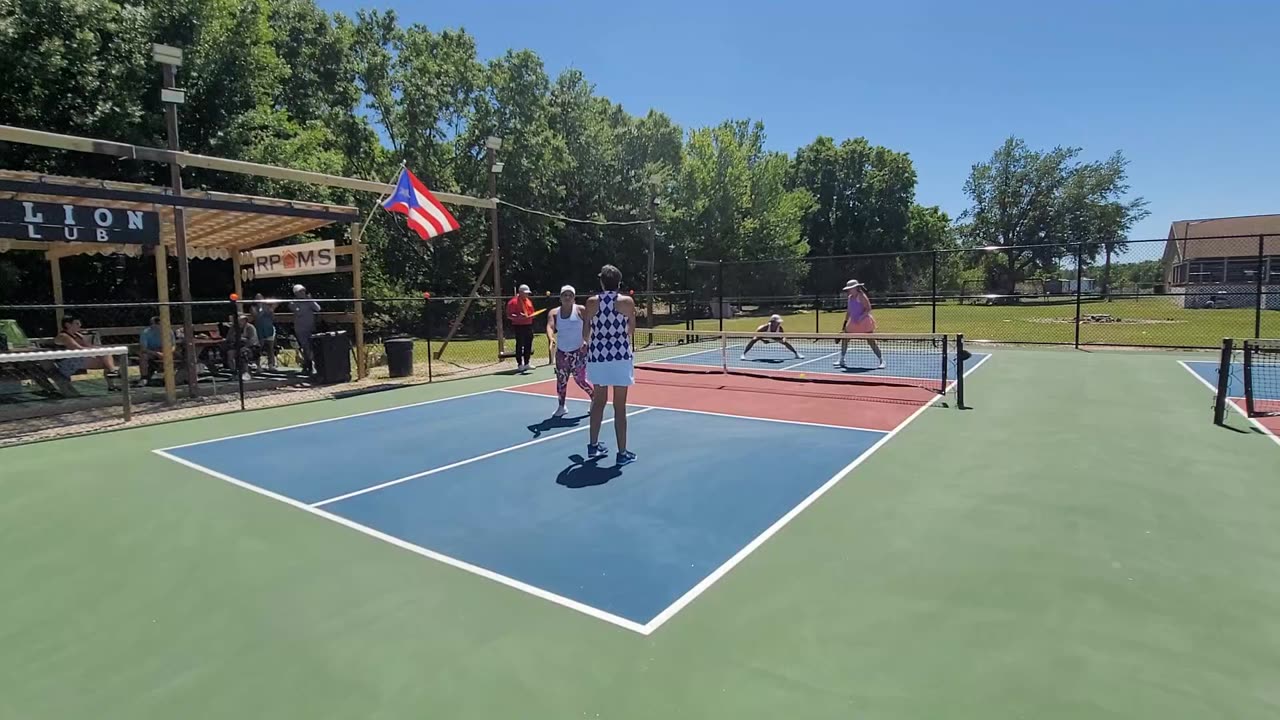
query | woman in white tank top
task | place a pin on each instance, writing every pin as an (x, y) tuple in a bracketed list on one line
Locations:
[(564, 328)]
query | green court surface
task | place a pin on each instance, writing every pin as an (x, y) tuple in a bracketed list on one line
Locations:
[(1082, 543)]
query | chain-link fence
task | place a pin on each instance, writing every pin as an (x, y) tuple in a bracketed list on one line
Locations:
[(259, 352), (1181, 293)]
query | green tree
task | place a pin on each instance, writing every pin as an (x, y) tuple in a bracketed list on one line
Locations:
[(863, 197), (733, 203), (1038, 204)]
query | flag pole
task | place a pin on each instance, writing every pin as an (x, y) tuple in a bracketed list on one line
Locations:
[(357, 286), (383, 198)]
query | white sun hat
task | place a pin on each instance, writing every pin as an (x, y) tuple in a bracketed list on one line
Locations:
[(853, 284)]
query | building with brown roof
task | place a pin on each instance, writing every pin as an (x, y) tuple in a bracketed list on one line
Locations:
[(1218, 262)]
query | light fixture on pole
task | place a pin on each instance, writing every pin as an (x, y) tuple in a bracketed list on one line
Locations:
[(166, 54), (493, 143)]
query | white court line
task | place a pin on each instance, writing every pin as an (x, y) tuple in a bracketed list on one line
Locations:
[(1230, 401), (353, 415), (417, 549), (460, 463), (717, 414), (684, 600)]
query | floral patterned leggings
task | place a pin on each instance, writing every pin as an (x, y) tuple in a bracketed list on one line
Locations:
[(571, 364)]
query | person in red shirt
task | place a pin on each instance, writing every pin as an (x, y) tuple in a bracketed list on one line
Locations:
[(520, 313)]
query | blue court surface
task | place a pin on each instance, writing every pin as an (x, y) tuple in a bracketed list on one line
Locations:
[(1207, 371), (483, 482), (913, 363)]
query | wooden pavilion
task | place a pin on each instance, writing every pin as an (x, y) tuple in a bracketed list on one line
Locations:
[(217, 225)]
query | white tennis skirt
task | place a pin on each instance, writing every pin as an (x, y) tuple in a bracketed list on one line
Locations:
[(613, 373)]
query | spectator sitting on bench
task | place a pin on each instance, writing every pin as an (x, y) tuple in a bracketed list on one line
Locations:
[(151, 349), (248, 346), (71, 338)]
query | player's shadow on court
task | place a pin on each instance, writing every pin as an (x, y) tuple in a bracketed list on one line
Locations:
[(556, 424), (585, 473)]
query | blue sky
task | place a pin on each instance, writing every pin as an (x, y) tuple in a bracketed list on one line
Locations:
[(1189, 91)]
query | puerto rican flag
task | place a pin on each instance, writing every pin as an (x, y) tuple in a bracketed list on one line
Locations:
[(422, 210)]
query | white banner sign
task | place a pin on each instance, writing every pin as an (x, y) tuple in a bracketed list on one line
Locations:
[(309, 259)]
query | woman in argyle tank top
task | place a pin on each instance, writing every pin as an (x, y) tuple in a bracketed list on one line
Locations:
[(610, 361)]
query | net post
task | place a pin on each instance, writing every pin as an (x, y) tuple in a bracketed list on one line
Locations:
[(960, 371), (1224, 383), (946, 356), (1248, 379), (817, 311)]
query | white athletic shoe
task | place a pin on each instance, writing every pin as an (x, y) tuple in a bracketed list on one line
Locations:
[(744, 356), (880, 366), (799, 356), (560, 412), (839, 363)]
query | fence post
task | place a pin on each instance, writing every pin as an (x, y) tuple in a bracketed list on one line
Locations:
[(817, 311), (1257, 310), (688, 298), (426, 311), (720, 293), (933, 293), (1079, 287), (239, 366)]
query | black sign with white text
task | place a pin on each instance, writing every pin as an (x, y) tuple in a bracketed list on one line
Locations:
[(55, 222)]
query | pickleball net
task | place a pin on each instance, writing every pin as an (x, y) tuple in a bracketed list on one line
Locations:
[(817, 364), (1249, 373)]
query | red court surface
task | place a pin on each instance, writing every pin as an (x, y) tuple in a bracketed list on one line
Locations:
[(852, 405), (1270, 423)]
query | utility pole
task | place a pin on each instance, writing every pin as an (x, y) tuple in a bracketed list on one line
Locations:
[(169, 59)]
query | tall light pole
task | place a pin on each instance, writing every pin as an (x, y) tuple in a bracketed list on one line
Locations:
[(491, 147), (169, 59)]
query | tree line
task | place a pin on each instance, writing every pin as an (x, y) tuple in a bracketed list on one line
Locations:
[(285, 83)]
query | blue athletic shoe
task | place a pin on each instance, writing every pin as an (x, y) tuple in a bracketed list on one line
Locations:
[(595, 452), (626, 458)]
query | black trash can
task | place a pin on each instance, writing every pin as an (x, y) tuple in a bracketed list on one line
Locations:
[(399, 356), (332, 353)]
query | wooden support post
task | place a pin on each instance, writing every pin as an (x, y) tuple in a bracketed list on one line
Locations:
[(237, 282), (357, 290), (55, 271), (166, 326), (457, 321)]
